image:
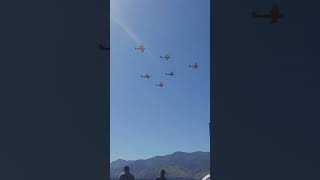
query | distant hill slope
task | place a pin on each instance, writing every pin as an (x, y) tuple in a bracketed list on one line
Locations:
[(193, 165)]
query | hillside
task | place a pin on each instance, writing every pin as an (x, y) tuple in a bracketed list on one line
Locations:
[(178, 165)]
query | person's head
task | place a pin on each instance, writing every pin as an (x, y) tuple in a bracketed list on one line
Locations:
[(162, 172), (126, 169)]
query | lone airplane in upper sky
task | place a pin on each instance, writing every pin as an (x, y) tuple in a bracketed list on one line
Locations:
[(140, 48), (146, 76), (167, 57), (274, 14), (103, 48), (161, 84), (194, 66), (170, 74)]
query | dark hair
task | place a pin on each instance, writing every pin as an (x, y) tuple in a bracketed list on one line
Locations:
[(162, 171), (126, 168)]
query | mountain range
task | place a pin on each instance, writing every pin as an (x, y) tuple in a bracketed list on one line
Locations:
[(179, 165)]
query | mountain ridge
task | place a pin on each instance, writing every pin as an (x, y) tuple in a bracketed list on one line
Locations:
[(178, 165)]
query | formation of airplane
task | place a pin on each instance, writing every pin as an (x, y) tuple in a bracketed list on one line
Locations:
[(274, 14), (101, 47), (194, 66), (147, 76), (161, 84), (167, 56), (140, 48), (170, 74)]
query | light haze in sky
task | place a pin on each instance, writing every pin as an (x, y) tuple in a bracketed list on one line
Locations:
[(147, 120)]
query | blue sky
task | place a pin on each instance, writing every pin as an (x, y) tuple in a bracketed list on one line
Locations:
[(147, 120)]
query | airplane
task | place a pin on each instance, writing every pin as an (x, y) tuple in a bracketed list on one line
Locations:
[(194, 66), (167, 57), (274, 15), (160, 84), (170, 74), (103, 48), (140, 48), (146, 76)]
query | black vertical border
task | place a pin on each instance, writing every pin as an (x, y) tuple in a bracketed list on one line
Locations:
[(212, 86), (107, 94)]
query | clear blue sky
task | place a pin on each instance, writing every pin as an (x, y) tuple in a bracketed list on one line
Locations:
[(147, 120)]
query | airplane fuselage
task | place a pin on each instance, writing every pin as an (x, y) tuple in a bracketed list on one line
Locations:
[(165, 57), (195, 66), (146, 76), (140, 49), (170, 74), (274, 15), (160, 84)]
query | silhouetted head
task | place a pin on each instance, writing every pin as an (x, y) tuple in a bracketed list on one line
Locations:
[(162, 172), (126, 169)]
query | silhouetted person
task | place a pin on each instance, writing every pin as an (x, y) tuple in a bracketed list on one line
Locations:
[(161, 177), (126, 175)]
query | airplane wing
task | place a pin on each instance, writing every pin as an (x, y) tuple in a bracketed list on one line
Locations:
[(103, 48)]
